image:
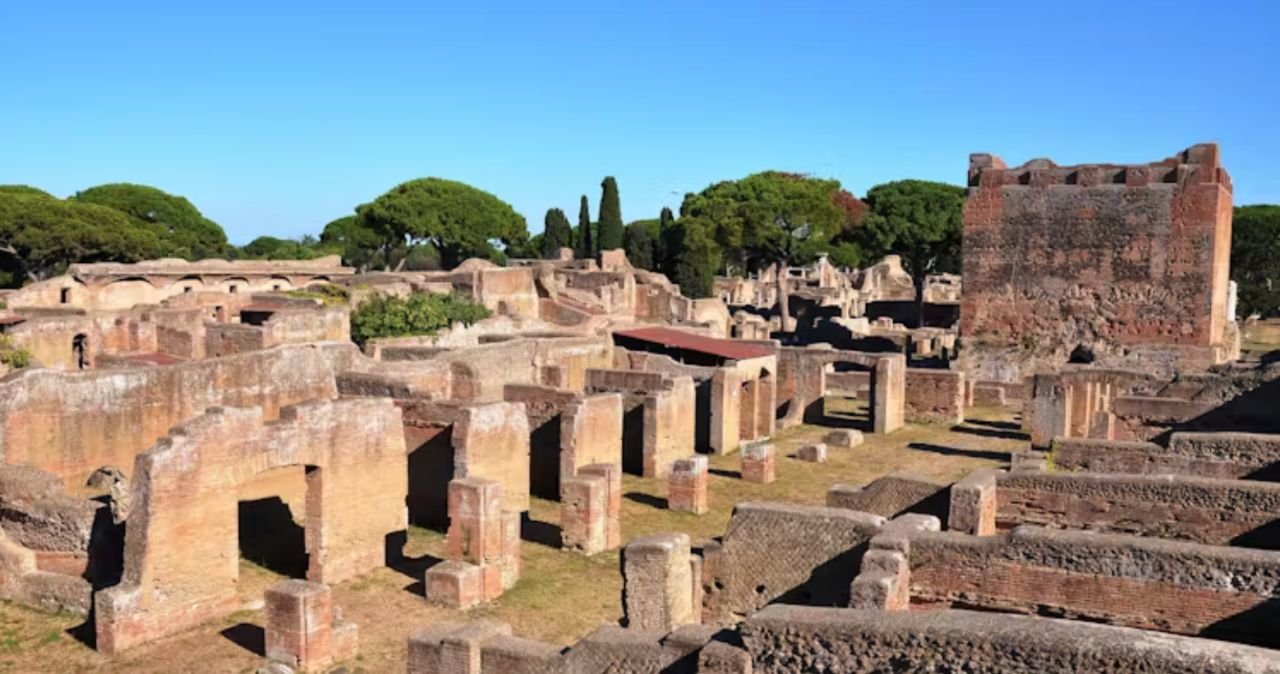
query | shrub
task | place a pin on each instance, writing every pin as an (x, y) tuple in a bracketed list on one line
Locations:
[(417, 314), (15, 357), (326, 294)]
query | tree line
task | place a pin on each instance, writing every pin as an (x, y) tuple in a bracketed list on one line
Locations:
[(732, 227)]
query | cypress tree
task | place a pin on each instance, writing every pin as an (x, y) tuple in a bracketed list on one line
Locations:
[(586, 247), (694, 257), (610, 216), (556, 233), (660, 252), (638, 243)]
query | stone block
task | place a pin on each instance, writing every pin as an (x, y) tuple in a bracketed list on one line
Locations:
[(612, 473), (583, 514), (759, 463), (454, 584), (451, 648), (687, 486), (719, 657), (475, 521), (814, 453), (300, 629), (844, 438), (657, 583), (973, 504)]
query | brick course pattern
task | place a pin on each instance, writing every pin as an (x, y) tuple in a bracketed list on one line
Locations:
[(687, 486), (301, 628)]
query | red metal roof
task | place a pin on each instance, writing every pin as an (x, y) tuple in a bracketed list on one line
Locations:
[(679, 339), (11, 320)]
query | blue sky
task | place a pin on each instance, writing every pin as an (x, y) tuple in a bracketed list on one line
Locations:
[(276, 117)]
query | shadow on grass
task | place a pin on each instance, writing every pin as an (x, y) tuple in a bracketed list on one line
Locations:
[(250, 637), (645, 499), (957, 451)]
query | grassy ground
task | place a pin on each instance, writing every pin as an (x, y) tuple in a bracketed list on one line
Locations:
[(560, 597)]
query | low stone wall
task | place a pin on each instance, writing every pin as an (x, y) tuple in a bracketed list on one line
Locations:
[(1204, 510), (789, 639), (1172, 586), (892, 495), (780, 552), (1220, 455), (934, 396)]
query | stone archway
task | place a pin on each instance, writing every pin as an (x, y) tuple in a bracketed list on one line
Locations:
[(181, 546)]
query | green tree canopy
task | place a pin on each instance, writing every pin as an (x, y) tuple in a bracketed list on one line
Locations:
[(693, 255), (771, 217), (25, 190), (557, 233), (360, 246), (184, 232), (41, 235), (638, 242), (919, 220), (1255, 258), (456, 219), (586, 248), (273, 248), (610, 216)]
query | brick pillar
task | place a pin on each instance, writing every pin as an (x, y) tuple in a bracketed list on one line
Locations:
[(687, 485), (451, 648), (758, 463), (1050, 414), (583, 506), (973, 504), (301, 631), (657, 588), (612, 473), (884, 582), (481, 533), (475, 521)]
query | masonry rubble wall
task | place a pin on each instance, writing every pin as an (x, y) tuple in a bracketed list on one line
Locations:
[(71, 423), (1172, 586), (1205, 510), (1130, 262), (1219, 455), (934, 396), (780, 552), (787, 639)]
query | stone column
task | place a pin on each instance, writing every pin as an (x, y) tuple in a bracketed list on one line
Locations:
[(583, 506), (759, 463), (657, 587), (973, 504), (612, 474)]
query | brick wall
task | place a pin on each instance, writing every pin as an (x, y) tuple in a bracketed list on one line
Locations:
[(1172, 586), (934, 396), (1130, 261), (1205, 510)]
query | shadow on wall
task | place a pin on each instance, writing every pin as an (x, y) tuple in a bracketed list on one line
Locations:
[(430, 470), (1250, 412), (544, 459), (270, 538), (827, 585)]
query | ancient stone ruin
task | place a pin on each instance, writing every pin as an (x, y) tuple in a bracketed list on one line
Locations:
[(1064, 468)]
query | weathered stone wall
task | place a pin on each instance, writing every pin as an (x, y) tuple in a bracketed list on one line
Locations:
[(790, 639), (71, 423), (786, 553), (1204, 510), (1218, 455), (1172, 586), (934, 396), (181, 551), (892, 495), (1128, 261)]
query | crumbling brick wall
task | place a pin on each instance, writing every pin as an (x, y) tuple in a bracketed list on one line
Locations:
[(1204, 510), (1129, 262), (934, 396), (73, 423), (785, 639), (780, 552), (1151, 583), (181, 546)]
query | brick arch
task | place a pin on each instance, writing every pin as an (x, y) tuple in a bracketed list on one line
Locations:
[(181, 548)]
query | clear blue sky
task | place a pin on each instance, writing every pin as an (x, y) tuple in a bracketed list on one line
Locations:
[(276, 117)]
